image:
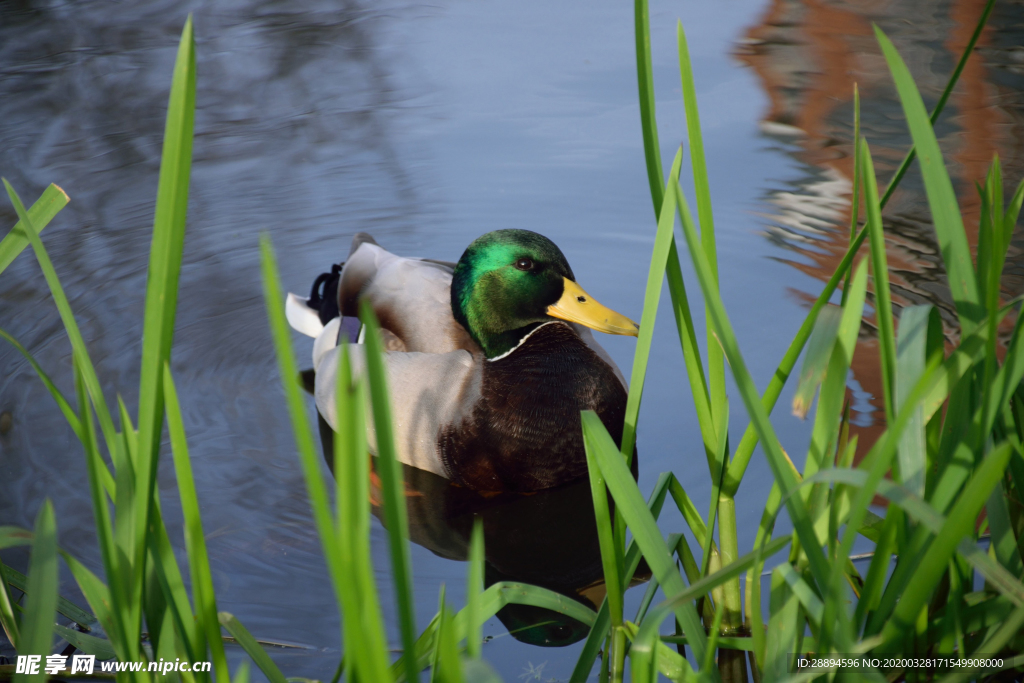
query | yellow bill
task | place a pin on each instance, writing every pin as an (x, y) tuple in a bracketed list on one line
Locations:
[(577, 306)]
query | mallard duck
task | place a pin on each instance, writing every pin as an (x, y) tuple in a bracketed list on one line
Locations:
[(489, 360)]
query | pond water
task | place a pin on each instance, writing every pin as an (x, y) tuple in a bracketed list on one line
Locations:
[(428, 125)]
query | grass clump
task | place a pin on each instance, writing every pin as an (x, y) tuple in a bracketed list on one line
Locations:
[(952, 451)]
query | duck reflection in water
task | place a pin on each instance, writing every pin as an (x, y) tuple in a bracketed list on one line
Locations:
[(547, 539)]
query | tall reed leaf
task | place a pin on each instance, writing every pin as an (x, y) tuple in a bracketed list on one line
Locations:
[(79, 352), (62, 403), (98, 597), (7, 621), (474, 587), (949, 227), (645, 85), (363, 625), (162, 285), (115, 564), (392, 486), (880, 273), (919, 330), (599, 630), (758, 415), (41, 601), (295, 401), (716, 361), (251, 647), (648, 634), (819, 350), (611, 551), (40, 214), (645, 530), (195, 542), (655, 277), (959, 523)]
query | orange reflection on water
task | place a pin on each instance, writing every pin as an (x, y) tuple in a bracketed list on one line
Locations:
[(808, 55)]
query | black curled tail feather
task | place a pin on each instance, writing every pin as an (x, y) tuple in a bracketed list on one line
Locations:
[(323, 297)]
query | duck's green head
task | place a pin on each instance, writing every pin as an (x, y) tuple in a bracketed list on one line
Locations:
[(509, 281)]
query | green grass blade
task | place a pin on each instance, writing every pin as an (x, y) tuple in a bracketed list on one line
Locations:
[(345, 545), (752, 399), (645, 85), (98, 597), (392, 486), (288, 370), (812, 604), (1004, 542), (835, 626), (1008, 378), (700, 169), (350, 477), (341, 565), (1009, 629), (171, 586), (62, 403), (36, 637), (717, 473), (643, 526), (669, 663), (124, 505), (819, 351), (64, 606), (686, 507), (911, 356), (691, 353), (203, 596), (945, 211), (741, 459), (112, 560), (507, 593), (784, 628), (492, 600), (7, 620), (259, 657), (446, 667), (241, 673), (162, 285), (877, 571), (611, 551), (880, 274), (655, 277), (649, 629), (41, 213), (602, 622), (716, 360), (474, 587), (1012, 213), (90, 645), (80, 353), (364, 625), (958, 524), (855, 195)]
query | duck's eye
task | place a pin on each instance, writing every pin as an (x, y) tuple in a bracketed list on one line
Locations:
[(524, 264)]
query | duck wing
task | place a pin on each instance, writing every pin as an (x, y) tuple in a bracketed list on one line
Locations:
[(427, 392), (410, 296)]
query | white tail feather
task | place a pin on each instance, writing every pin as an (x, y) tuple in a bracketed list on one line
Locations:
[(301, 317)]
